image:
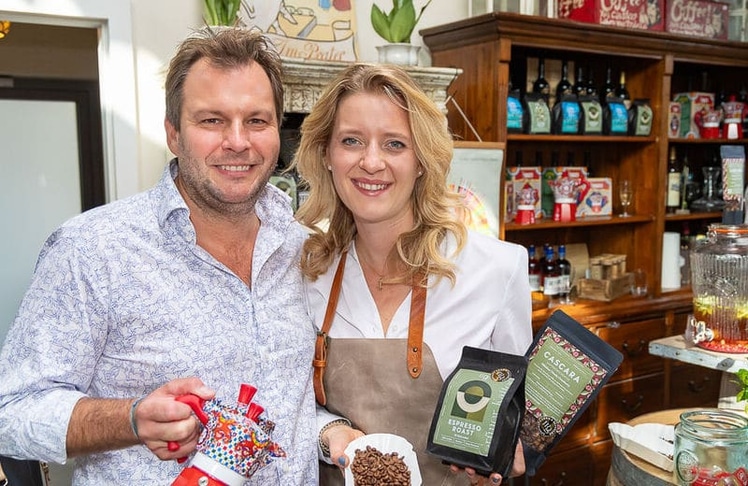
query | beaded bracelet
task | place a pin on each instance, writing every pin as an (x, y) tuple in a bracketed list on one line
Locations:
[(326, 447), (133, 425)]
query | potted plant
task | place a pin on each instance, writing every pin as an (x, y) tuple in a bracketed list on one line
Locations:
[(222, 12), (742, 383), (396, 28)]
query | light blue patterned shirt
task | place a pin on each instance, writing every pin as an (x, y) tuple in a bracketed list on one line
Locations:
[(123, 300)]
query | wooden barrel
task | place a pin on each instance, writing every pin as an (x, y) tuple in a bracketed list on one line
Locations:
[(629, 470)]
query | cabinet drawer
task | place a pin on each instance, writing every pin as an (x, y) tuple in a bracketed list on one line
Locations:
[(571, 468), (624, 400), (632, 340), (694, 386)]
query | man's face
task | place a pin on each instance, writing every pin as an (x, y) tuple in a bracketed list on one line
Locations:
[(228, 141)]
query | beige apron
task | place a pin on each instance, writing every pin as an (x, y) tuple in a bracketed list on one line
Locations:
[(367, 381)]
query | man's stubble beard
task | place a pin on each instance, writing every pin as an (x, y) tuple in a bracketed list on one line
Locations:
[(210, 200)]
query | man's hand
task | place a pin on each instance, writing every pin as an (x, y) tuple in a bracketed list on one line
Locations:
[(162, 420), (103, 424)]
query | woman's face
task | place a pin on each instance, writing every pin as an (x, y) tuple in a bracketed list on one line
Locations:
[(373, 161)]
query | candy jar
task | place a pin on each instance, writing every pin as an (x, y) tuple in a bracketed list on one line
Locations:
[(711, 449), (527, 197), (732, 125), (719, 280)]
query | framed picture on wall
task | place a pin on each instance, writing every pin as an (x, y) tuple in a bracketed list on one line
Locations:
[(476, 173)]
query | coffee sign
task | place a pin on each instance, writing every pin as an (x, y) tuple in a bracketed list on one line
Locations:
[(698, 18)]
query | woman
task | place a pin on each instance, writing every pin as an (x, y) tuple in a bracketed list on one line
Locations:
[(375, 152)]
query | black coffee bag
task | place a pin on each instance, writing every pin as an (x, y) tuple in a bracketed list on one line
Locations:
[(568, 367), (477, 419)]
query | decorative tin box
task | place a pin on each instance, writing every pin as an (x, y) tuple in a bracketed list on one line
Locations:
[(628, 14)]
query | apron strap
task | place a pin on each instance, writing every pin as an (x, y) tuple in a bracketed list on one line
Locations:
[(415, 326), (320, 346)]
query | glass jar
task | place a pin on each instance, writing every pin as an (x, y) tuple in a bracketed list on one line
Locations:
[(719, 280), (711, 448)]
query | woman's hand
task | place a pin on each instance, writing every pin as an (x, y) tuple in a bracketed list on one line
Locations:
[(518, 469), (338, 438)]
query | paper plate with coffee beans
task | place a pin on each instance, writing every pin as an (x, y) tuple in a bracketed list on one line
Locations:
[(381, 459)]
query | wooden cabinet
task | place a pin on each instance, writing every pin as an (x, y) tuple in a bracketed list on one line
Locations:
[(495, 49)]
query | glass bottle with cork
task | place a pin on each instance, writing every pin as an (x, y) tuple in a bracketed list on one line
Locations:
[(672, 202), (540, 85), (564, 86), (565, 276), (551, 274), (533, 269), (622, 92), (608, 90)]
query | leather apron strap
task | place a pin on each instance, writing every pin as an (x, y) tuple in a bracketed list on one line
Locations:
[(415, 328), (320, 346)]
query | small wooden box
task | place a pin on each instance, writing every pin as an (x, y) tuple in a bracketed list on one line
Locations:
[(605, 290)]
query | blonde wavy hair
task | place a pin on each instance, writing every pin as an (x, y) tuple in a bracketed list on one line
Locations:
[(436, 208)]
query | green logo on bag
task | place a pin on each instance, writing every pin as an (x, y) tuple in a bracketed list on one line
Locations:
[(471, 401)]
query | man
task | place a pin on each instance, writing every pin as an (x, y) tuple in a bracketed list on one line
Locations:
[(190, 287)]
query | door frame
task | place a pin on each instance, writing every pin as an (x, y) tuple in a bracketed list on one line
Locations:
[(85, 95)]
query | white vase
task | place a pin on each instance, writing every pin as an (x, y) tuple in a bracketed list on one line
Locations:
[(399, 53)]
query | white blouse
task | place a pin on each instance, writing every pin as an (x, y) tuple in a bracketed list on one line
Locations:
[(489, 306)]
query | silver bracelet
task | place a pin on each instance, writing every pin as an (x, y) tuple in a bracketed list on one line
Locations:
[(133, 425), (326, 447)]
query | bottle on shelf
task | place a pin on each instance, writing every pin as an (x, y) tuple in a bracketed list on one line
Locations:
[(533, 269), (551, 275), (591, 85), (608, 90), (564, 272), (564, 86), (541, 264), (580, 86), (622, 92), (540, 85), (686, 183), (672, 201)]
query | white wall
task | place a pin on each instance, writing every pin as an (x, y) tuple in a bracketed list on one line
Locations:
[(141, 38)]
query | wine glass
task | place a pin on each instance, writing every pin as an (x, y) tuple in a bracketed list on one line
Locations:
[(565, 287), (626, 194)]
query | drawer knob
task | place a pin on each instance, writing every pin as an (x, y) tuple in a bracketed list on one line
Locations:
[(696, 387), (634, 406), (560, 482), (633, 352)]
